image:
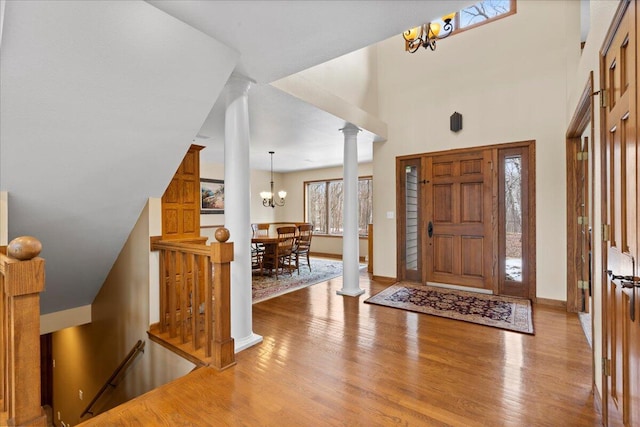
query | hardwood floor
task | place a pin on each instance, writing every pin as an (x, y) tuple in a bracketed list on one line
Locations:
[(332, 360)]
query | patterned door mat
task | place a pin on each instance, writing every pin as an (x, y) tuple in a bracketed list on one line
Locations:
[(514, 314)]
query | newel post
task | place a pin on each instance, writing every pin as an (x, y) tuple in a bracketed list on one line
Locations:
[(221, 257), (23, 274)]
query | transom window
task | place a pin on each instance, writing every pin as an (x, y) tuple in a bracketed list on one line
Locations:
[(481, 13), (325, 201), (484, 11)]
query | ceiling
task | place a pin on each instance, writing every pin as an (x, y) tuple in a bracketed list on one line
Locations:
[(279, 38)]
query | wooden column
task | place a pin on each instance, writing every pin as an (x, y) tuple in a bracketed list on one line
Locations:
[(23, 281), (221, 257)]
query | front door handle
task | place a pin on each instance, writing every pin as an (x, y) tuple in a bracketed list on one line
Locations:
[(430, 229)]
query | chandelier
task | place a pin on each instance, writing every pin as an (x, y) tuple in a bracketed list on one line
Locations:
[(268, 199), (427, 34)]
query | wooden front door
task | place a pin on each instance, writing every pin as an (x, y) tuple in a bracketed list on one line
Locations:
[(458, 207), (621, 313)]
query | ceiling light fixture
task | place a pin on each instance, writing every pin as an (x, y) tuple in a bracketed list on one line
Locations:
[(427, 34), (268, 199)]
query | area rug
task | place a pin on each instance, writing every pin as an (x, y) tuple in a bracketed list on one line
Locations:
[(513, 314), (266, 287)]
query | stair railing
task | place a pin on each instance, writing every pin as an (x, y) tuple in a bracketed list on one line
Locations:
[(21, 281), (195, 303), (111, 382)]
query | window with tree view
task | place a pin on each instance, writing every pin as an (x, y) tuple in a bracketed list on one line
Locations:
[(484, 11), (480, 13), (325, 201)]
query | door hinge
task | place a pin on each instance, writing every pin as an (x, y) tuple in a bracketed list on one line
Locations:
[(583, 220), (606, 232), (582, 155), (603, 97), (583, 284), (606, 366)]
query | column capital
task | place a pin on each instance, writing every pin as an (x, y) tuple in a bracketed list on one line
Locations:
[(237, 85), (350, 129)]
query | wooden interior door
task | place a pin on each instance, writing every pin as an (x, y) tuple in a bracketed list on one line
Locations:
[(621, 328), (458, 207), (181, 221), (181, 200)]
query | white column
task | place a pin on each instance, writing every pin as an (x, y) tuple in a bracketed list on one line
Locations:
[(236, 208), (350, 241)]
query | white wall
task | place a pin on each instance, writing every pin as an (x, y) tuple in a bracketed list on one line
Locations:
[(3, 4), (4, 218), (105, 94), (359, 86), (508, 79), (86, 355)]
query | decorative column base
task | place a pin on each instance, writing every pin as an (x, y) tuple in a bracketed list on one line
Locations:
[(350, 292), (246, 342)]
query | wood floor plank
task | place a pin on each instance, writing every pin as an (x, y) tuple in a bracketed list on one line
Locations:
[(335, 361)]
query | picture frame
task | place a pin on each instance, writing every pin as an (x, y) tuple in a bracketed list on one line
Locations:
[(211, 196)]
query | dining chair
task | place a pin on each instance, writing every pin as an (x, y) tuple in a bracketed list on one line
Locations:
[(303, 245), (281, 257), (257, 249)]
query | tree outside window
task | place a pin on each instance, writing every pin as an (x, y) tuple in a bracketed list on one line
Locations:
[(325, 204), (483, 11), (480, 13)]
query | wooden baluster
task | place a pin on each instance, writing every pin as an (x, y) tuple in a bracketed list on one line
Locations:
[(163, 291), (172, 294), (208, 307), (184, 297), (195, 302), (223, 344), (23, 281)]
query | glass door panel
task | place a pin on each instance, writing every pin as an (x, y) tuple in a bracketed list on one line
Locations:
[(513, 218), (513, 213), (409, 220)]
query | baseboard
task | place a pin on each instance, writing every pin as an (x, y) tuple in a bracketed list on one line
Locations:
[(597, 400), (334, 256), (552, 302), (325, 255), (384, 279)]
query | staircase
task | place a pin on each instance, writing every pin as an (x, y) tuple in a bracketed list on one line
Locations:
[(195, 305)]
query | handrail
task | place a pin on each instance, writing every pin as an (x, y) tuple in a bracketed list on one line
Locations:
[(189, 248), (137, 349)]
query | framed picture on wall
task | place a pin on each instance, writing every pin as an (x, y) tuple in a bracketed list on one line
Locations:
[(211, 196)]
